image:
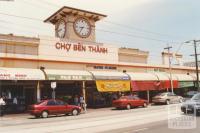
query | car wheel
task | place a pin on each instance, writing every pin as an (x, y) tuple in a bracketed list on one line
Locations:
[(184, 112), (128, 106), (145, 105), (75, 112), (167, 102), (45, 114)]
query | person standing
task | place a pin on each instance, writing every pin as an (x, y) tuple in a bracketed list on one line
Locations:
[(15, 102), (2, 104), (82, 103), (76, 100)]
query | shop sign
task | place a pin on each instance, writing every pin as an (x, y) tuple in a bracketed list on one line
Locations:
[(53, 85), (68, 77), (79, 47), (14, 76), (112, 85)]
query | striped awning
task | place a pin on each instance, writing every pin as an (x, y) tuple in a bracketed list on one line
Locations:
[(109, 75), (142, 76), (54, 74), (21, 74), (184, 77)]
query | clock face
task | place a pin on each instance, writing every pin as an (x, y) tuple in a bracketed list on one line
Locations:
[(61, 29), (82, 27)]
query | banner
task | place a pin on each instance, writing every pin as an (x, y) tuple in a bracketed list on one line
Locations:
[(112, 85)]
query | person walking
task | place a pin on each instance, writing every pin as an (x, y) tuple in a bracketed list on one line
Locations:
[(2, 104), (82, 103)]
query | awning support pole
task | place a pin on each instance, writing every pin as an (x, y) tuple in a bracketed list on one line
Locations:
[(148, 97), (38, 92), (83, 91)]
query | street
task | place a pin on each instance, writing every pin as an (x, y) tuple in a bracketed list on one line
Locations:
[(151, 119)]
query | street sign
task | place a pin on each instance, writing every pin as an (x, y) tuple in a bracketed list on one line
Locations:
[(53, 85)]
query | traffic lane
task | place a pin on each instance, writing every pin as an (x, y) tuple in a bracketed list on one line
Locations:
[(92, 124), (28, 119), (156, 127)]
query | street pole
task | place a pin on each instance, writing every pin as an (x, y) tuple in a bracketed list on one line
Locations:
[(196, 61), (170, 68)]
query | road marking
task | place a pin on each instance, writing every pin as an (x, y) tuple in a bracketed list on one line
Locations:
[(142, 129)]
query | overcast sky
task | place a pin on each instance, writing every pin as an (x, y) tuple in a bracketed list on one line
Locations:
[(143, 24)]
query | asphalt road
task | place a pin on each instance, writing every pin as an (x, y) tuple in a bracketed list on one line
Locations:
[(156, 127), (141, 120)]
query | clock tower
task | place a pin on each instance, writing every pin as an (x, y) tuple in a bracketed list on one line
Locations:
[(75, 24)]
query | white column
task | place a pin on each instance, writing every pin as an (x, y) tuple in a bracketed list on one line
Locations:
[(38, 92), (148, 97), (83, 91)]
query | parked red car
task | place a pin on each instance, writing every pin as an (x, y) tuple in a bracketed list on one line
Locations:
[(129, 101), (53, 107)]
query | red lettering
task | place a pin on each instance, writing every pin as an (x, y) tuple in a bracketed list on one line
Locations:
[(63, 46)]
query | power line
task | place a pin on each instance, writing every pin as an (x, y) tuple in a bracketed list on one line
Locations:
[(138, 29), (23, 17), (131, 35), (114, 23), (125, 34)]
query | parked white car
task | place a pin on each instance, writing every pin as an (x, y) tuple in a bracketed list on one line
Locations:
[(167, 98)]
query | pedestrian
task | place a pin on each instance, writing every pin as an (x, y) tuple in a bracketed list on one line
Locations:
[(15, 102), (83, 103), (76, 100), (81, 99), (2, 106)]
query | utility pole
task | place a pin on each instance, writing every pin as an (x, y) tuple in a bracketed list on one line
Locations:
[(170, 68), (196, 60)]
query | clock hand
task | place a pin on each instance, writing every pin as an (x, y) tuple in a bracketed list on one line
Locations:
[(81, 29)]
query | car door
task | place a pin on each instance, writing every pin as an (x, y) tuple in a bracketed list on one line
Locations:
[(176, 98), (52, 107), (136, 101), (172, 97), (139, 101), (169, 96), (61, 107)]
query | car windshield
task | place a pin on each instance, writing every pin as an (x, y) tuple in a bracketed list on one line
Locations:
[(190, 94), (161, 94), (196, 97), (123, 97), (38, 103)]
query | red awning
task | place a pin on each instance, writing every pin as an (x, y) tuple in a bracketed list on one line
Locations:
[(145, 85), (167, 84), (152, 85)]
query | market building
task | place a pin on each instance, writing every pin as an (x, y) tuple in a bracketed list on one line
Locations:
[(79, 65)]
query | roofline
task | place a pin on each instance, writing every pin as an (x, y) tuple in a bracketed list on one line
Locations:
[(73, 9), (91, 63)]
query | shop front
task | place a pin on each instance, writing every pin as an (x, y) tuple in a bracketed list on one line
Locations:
[(145, 84), (19, 87), (148, 85), (107, 87), (185, 84), (69, 84)]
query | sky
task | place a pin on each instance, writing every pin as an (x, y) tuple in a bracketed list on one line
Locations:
[(148, 25)]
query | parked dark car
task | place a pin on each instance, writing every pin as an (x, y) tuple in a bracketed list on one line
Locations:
[(53, 107), (189, 95), (129, 101), (192, 105)]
